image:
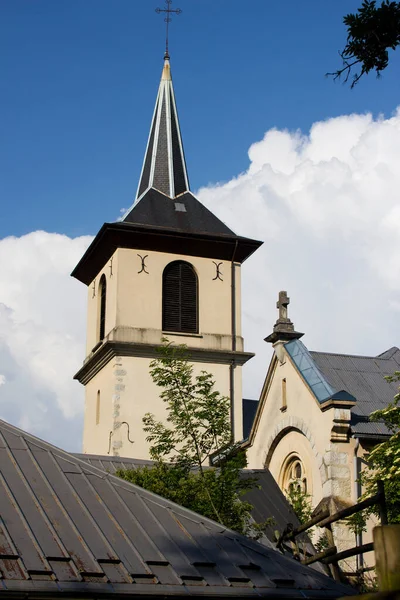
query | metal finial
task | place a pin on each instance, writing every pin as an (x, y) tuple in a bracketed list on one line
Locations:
[(168, 10)]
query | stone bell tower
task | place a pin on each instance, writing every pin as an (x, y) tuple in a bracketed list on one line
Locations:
[(170, 269)]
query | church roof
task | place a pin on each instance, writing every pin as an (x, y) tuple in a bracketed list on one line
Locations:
[(249, 409), (267, 499), (358, 380), (364, 378), (185, 214), (313, 376), (68, 527)]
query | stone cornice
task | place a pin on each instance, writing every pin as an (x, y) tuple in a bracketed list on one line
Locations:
[(109, 349), (335, 403)]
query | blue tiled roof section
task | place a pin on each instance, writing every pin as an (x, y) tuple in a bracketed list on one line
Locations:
[(309, 370)]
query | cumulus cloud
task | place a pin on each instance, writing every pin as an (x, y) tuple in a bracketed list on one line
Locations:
[(42, 332), (327, 207)]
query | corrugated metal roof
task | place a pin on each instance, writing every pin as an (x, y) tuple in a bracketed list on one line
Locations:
[(266, 497), (67, 526), (364, 378), (268, 501)]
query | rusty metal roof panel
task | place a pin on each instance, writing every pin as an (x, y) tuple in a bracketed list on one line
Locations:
[(67, 526)]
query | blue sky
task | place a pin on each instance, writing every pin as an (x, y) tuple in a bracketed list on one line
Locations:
[(79, 80)]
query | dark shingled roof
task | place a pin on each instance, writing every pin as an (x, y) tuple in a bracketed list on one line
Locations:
[(249, 409), (364, 378), (185, 213), (67, 527), (164, 166)]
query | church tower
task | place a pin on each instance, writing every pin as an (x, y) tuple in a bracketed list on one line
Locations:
[(170, 269)]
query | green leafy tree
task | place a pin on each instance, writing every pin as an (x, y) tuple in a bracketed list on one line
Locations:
[(384, 459), (371, 32), (197, 429), (300, 501)]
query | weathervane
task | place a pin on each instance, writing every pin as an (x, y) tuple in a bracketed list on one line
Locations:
[(168, 20)]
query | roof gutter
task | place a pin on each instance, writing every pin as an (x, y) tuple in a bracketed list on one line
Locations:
[(233, 334), (356, 474)]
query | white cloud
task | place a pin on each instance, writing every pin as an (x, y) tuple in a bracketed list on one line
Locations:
[(42, 332), (326, 206)]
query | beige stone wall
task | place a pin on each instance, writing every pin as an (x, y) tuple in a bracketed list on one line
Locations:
[(127, 393), (134, 315), (134, 301), (93, 307)]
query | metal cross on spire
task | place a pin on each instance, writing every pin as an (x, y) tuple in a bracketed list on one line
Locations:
[(168, 10)]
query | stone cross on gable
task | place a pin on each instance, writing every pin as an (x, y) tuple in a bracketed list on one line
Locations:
[(282, 305), (283, 328)]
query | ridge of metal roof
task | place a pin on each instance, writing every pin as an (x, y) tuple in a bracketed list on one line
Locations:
[(379, 356), (364, 378), (67, 526)]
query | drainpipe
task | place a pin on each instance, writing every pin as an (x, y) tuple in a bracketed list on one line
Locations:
[(356, 471), (233, 333)]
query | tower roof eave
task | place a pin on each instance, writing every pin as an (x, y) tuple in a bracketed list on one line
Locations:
[(159, 239)]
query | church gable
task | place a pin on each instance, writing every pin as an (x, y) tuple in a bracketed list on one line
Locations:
[(311, 429), (302, 426), (286, 404)]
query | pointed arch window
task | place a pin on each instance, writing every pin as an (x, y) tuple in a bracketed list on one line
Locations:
[(102, 312), (180, 298), (294, 476)]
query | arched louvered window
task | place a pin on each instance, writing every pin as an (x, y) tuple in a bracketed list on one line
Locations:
[(180, 298), (102, 313)]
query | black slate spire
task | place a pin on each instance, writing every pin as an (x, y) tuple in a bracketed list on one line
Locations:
[(164, 166)]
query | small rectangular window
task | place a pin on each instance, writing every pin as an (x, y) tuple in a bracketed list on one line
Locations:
[(98, 408), (284, 401)]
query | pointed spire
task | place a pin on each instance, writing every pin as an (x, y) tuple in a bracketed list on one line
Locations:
[(164, 166)]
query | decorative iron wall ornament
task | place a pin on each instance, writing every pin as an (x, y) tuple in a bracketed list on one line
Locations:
[(218, 273), (110, 266), (94, 288), (143, 267), (112, 433)]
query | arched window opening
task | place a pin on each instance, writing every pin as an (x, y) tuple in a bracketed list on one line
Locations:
[(102, 315), (180, 298), (294, 477)]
